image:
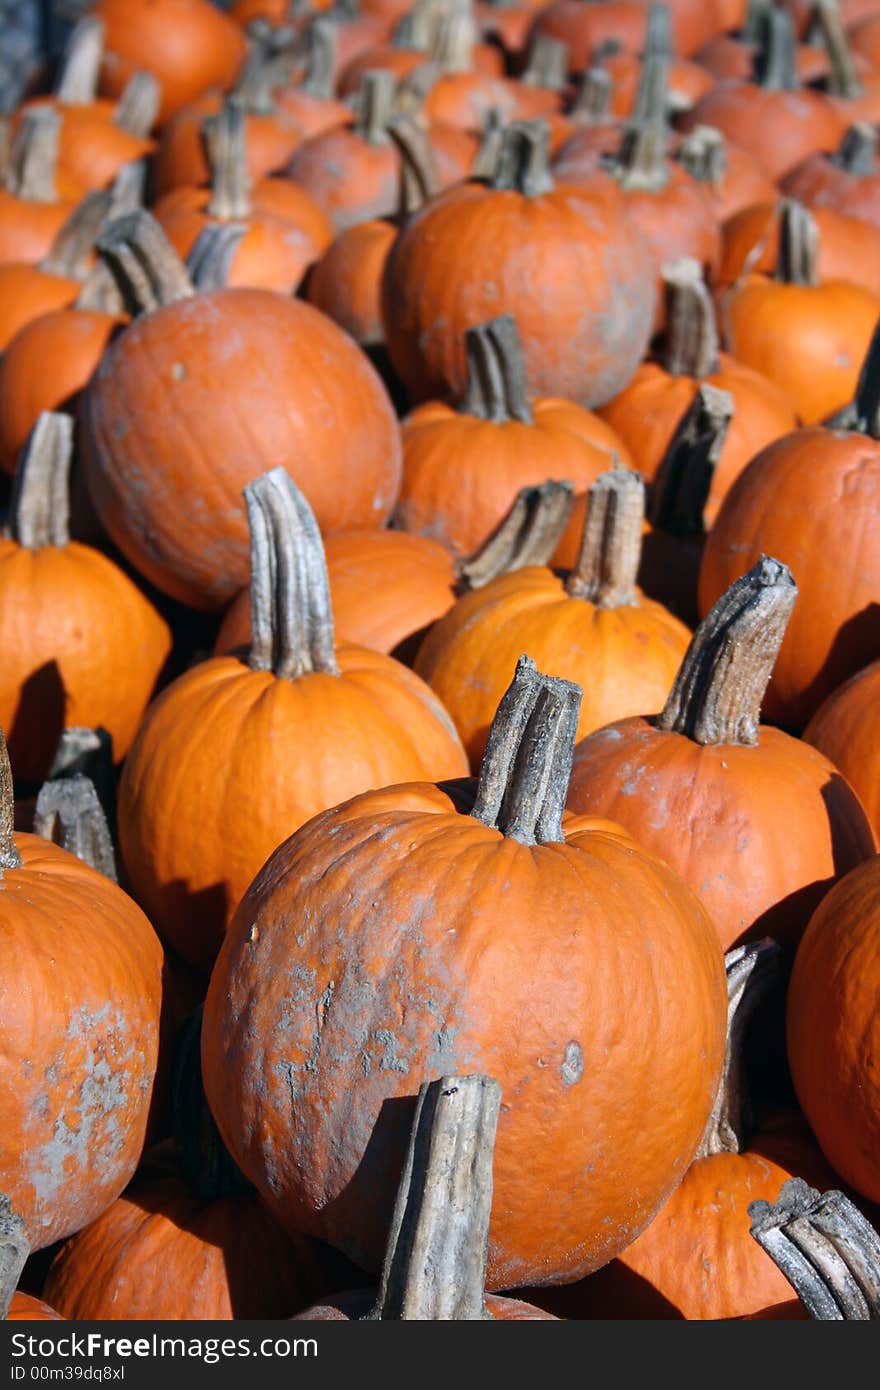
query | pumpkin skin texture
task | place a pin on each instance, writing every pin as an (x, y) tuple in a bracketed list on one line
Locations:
[(78, 1063), (808, 499), (402, 994), (345, 282), (26, 1308), (846, 728), (26, 292), (167, 435), (833, 1027)]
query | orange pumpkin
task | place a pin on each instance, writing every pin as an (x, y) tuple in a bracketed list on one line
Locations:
[(843, 250), (349, 718), (595, 627), (732, 177), (770, 823), (311, 102), (34, 202), (345, 282), (847, 181), (584, 918), (83, 646), (846, 728), (182, 158), (165, 435)]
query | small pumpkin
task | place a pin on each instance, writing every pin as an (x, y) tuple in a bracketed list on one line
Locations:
[(732, 177), (845, 728), (847, 180), (34, 203)]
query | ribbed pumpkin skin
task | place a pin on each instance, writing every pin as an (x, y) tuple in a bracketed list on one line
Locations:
[(228, 762), (760, 834), (462, 474), (196, 400), (833, 1027), (159, 1253), (624, 658), (26, 1308), (393, 940), (846, 728), (80, 993), (82, 646), (812, 500), (570, 265)]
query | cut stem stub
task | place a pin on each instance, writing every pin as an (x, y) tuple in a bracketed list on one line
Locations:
[(69, 814), (611, 545), (496, 373), (39, 511), (683, 480), (528, 534), (14, 1250)]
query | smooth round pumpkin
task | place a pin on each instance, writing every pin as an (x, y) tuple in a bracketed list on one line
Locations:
[(345, 282), (846, 728)]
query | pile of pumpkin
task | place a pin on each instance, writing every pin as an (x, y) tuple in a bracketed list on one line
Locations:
[(434, 437)]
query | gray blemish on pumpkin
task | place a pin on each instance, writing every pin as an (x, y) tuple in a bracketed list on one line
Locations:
[(389, 1061), (293, 1070), (572, 1064)]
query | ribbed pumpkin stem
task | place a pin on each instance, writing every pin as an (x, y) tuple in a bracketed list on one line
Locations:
[(827, 1250), (548, 64), (89, 753), (528, 535), (9, 855), (717, 694), (77, 84), (684, 478), (225, 137), (775, 63), (592, 105), (641, 162), (703, 154), (210, 260), (39, 511), (857, 153), (33, 158), (690, 343), (751, 973), (205, 1163), (255, 87), (756, 18), (486, 159), (146, 267), (69, 814), (843, 78), (291, 616), (419, 180), (14, 1246), (435, 1261), (798, 260), (496, 373), (138, 108), (321, 60), (611, 546), (375, 106), (658, 33), (71, 251), (524, 159), (863, 412), (526, 767), (128, 188), (455, 36)]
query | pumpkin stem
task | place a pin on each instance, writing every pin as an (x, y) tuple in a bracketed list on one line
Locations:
[(496, 373), (775, 61), (716, 697), (592, 105), (210, 260), (9, 855), (486, 159), (843, 79), (14, 1248), (690, 343), (526, 767), (641, 161), (88, 752), (755, 19), (146, 267), (798, 261), (291, 615), (319, 80), (524, 159), (684, 478), (611, 545), (658, 33), (825, 1247), (751, 973), (455, 36), (69, 814), (33, 158), (226, 147), (863, 412), (416, 28), (71, 252), (100, 292), (528, 535), (419, 180), (703, 155), (548, 64), (138, 108), (77, 84), (255, 87), (375, 105), (128, 188), (39, 510), (857, 153), (435, 1260), (207, 1168)]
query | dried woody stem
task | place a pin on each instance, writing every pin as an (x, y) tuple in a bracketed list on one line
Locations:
[(39, 510), (419, 180), (843, 78), (33, 157), (611, 545), (454, 39), (717, 694), (210, 260), (863, 412), (496, 373), (528, 535), (71, 251), (486, 159), (641, 161), (291, 615), (592, 105), (435, 1261), (319, 80), (751, 972), (69, 814), (827, 1250), (14, 1244), (684, 478), (375, 106), (798, 260), (145, 265), (703, 154), (775, 62), (78, 82), (526, 767), (138, 108), (548, 64), (857, 151), (225, 141), (690, 344), (524, 159)]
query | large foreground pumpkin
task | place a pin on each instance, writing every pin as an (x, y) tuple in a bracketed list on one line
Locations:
[(424, 930)]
